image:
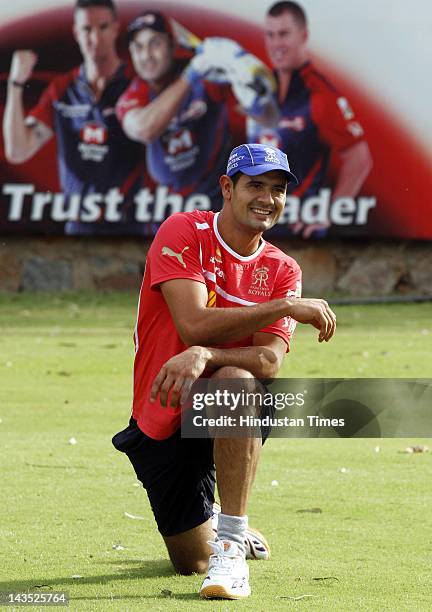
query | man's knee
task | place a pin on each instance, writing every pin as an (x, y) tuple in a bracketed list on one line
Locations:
[(189, 551), (231, 372)]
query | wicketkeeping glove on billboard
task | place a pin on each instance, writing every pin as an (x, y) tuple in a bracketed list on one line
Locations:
[(222, 60)]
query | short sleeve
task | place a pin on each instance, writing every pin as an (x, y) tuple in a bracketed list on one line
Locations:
[(43, 111), (175, 251), (336, 121), (135, 96), (289, 284)]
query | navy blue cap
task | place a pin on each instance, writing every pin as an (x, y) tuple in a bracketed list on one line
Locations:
[(153, 20), (253, 159)]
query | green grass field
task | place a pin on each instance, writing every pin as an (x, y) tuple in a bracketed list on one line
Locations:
[(66, 372)]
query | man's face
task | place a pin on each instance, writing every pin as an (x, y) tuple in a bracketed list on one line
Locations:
[(95, 30), (152, 54), (257, 202), (285, 41)]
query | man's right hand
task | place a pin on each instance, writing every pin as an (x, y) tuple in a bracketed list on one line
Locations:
[(178, 374), (23, 62), (314, 312)]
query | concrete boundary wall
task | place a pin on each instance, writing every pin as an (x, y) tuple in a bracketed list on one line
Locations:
[(348, 268)]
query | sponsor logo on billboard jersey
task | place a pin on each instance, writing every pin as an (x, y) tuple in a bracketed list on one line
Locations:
[(72, 110), (181, 150), (179, 141), (94, 133), (93, 138), (179, 256)]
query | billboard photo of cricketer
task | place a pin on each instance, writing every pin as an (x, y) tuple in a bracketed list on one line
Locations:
[(96, 140)]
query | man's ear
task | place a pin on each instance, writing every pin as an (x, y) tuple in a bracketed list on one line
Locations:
[(227, 186)]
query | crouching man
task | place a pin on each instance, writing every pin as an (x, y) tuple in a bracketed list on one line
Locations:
[(216, 300)]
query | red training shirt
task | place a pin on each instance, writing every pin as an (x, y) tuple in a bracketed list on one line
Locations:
[(188, 245)]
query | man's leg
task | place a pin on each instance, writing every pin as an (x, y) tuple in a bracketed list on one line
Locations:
[(236, 461), (178, 475), (236, 458)]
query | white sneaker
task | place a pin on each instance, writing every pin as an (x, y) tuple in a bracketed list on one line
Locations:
[(228, 573), (256, 545)]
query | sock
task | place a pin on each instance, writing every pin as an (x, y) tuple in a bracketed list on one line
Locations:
[(233, 528)]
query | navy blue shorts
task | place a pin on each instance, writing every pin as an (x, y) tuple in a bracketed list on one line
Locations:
[(177, 473)]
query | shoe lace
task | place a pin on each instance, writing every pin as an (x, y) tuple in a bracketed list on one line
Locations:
[(220, 562)]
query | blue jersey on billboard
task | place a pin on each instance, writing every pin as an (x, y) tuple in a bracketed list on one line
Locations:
[(94, 154), (314, 119)]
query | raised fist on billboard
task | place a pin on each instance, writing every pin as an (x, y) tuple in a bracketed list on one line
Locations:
[(23, 63)]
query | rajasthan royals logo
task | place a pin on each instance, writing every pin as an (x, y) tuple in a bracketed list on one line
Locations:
[(261, 277)]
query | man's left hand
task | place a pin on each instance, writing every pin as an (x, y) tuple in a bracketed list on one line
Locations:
[(178, 374)]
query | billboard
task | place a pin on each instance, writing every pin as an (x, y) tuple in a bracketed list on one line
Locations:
[(91, 148)]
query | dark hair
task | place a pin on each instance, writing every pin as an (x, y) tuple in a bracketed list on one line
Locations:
[(236, 177), (292, 8), (84, 4)]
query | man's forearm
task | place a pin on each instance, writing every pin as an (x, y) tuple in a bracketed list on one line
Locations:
[(356, 165), (220, 325), (260, 361), (19, 139), (14, 128), (147, 123)]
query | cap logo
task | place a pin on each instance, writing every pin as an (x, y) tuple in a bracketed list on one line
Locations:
[(256, 158), (149, 19), (271, 156), (234, 160)]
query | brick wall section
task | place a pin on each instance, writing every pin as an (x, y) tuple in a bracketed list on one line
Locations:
[(358, 269)]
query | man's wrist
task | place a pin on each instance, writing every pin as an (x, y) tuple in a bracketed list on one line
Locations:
[(190, 75), (289, 302), (18, 84), (209, 354), (203, 352)]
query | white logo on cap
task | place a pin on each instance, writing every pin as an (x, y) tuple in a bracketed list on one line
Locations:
[(271, 156)]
